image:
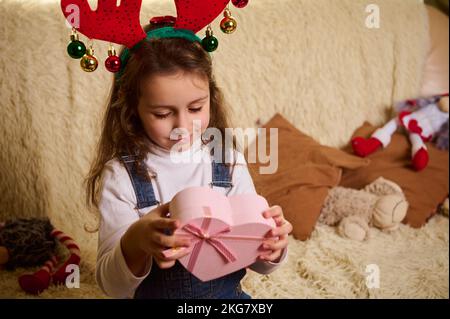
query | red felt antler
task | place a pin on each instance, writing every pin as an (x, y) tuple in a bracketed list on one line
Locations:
[(112, 23), (194, 15), (121, 25)]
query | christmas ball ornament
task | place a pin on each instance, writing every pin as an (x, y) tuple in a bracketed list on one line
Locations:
[(228, 24), (240, 3), (89, 62), (113, 62), (76, 49), (210, 42)]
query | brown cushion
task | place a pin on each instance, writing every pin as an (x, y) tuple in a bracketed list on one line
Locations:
[(306, 172), (424, 190)]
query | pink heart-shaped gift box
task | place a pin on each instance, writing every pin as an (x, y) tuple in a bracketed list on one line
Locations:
[(226, 232)]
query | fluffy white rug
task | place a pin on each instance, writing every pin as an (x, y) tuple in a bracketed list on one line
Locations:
[(412, 264)]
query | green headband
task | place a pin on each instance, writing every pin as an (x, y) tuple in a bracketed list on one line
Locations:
[(160, 33)]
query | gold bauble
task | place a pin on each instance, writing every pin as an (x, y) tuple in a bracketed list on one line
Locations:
[(228, 25), (89, 62)]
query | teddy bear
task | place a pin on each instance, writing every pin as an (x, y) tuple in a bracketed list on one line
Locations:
[(424, 119), (380, 204), (33, 242)]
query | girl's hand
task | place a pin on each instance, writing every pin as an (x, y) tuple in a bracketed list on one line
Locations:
[(149, 237), (274, 247)]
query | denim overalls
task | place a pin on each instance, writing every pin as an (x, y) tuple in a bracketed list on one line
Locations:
[(177, 282)]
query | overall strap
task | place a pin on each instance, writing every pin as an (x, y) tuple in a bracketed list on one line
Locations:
[(143, 188), (221, 176)]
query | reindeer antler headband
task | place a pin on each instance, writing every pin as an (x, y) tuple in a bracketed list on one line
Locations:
[(121, 25)]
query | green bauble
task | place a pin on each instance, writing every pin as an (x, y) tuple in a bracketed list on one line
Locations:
[(76, 49), (210, 43)]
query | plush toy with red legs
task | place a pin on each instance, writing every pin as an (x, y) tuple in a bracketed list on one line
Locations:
[(424, 119), (32, 242)]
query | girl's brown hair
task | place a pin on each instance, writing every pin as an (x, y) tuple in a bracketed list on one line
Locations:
[(122, 131)]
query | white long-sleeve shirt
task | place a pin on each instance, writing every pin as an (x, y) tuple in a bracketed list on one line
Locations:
[(117, 206)]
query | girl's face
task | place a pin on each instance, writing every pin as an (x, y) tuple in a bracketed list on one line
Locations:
[(171, 102)]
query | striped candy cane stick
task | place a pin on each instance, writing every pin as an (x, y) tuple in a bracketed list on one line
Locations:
[(59, 277), (40, 280)]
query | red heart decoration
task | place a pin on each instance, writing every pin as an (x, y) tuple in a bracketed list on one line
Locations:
[(194, 15), (414, 127)]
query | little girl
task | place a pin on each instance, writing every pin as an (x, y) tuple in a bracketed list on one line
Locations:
[(166, 85)]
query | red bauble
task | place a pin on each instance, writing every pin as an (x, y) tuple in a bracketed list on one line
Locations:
[(163, 20), (240, 3), (113, 64)]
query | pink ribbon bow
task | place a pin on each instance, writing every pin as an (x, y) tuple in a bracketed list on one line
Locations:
[(212, 239)]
